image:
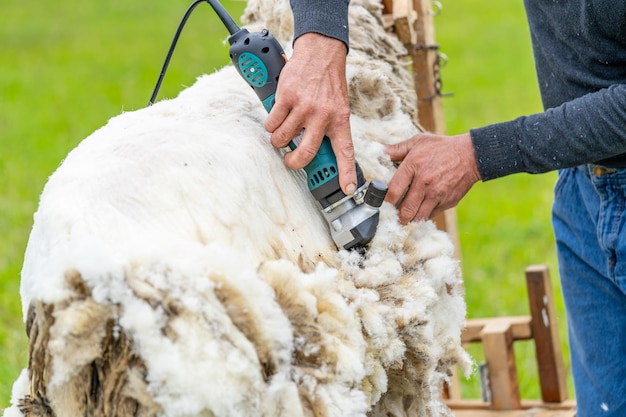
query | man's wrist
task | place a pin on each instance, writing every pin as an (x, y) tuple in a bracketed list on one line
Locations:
[(317, 43), (325, 17)]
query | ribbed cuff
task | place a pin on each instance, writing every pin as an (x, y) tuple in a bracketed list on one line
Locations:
[(327, 17), (497, 153)]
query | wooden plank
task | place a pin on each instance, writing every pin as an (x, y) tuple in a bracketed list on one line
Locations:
[(520, 328), (478, 405), (516, 413), (546, 334), (404, 18), (453, 390), (387, 6), (503, 383), (424, 56)]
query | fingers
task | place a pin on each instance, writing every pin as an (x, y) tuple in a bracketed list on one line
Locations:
[(312, 94), (310, 145), (398, 151), (286, 121), (416, 206), (307, 148), (341, 140), (399, 185), (409, 195), (276, 119), (434, 174), (289, 128), (283, 122)]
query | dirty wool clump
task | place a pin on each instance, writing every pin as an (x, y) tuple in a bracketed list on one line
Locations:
[(176, 267)]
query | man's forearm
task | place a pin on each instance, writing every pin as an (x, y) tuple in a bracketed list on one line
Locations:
[(584, 130)]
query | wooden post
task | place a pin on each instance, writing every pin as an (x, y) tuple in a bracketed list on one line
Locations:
[(387, 6), (425, 55), (497, 340), (546, 334)]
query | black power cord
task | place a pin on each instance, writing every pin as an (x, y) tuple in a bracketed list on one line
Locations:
[(170, 51), (224, 17)]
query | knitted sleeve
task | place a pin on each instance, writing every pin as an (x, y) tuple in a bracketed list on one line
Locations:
[(588, 129), (327, 17)]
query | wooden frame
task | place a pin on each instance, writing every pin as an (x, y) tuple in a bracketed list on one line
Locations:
[(498, 336)]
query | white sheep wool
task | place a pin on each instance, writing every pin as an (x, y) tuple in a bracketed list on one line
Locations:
[(176, 267)]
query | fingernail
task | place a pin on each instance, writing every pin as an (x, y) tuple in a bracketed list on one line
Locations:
[(351, 188)]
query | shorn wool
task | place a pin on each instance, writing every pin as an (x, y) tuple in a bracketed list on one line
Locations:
[(176, 267)]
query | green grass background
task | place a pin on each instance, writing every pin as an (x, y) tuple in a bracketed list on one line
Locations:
[(66, 67)]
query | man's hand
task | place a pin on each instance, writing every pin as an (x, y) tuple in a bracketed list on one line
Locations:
[(435, 173), (312, 94)]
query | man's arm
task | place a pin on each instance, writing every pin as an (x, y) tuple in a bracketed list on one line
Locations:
[(437, 171), (588, 129)]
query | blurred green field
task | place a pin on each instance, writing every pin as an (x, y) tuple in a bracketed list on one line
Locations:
[(66, 67)]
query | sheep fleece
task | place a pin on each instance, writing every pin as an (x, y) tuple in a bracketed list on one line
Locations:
[(176, 267)]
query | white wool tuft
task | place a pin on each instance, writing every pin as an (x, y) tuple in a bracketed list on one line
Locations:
[(176, 267)]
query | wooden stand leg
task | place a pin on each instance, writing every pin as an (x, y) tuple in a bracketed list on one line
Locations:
[(546, 335), (497, 340)]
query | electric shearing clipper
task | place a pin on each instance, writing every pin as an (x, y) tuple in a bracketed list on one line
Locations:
[(353, 219)]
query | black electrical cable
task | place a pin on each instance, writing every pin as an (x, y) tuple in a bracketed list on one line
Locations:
[(226, 19), (170, 52)]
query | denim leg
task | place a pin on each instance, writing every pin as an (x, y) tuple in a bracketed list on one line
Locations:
[(588, 219)]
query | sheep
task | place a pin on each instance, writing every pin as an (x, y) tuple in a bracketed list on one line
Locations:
[(176, 267)]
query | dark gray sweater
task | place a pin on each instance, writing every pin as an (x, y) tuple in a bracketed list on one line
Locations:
[(580, 56)]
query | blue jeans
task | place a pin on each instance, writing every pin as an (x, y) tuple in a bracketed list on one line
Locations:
[(589, 226)]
